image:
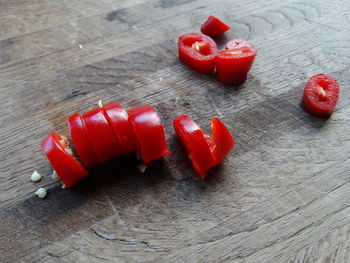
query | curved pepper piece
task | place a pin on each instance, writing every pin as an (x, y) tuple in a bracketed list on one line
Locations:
[(101, 135), (149, 132), (214, 27), (119, 121), (321, 95), (222, 138), (198, 52), (195, 143), (81, 140), (233, 65), (203, 151), (62, 160)]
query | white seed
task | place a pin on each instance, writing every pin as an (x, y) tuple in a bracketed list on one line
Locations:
[(100, 103), (323, 93), (41, 192), (54, 175), (197, 46), (63, 186), (36, 177), (142, 167), (80, 46)]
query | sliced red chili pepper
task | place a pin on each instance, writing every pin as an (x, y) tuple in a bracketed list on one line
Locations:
[(222, 138), (101, 135), (321, 95), (149, 132), (81, 140), (195, 143), (198, 52), (214, 27), (233, 65), (237, 43), (203, 151), (119, 121), (67, 167)]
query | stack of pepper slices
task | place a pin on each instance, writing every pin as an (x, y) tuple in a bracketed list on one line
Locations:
[(109, 131)]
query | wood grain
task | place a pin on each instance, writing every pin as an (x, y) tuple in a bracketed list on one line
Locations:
[(332, 248), (281, 196)]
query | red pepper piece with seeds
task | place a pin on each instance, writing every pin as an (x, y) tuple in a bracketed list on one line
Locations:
[(321, 95)]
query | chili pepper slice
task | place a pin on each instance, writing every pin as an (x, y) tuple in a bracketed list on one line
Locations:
[(149, 132), (214, 27), (222, 139), (321, 95), (67, 167), (203, 151), (101, 135), (195, 143), (198, 52), (81, 140), (233, 65), (119, 121)]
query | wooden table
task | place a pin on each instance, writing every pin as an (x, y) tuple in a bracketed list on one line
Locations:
[(282, 195)]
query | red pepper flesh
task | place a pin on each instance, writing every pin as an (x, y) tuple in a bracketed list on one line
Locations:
[(222, 139), (203, 151), (149, 132), (238, 43), (214, 27), (63, 162), (321, 95), (81, 140), (194, 141), (233, 65), (198, 52), (119, 121), (101, 135)]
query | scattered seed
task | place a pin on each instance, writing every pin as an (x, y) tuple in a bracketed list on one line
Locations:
[(142, 167), (41, 192), (36, 177)]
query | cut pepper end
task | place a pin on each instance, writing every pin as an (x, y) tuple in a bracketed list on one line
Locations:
[(320, 95)]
